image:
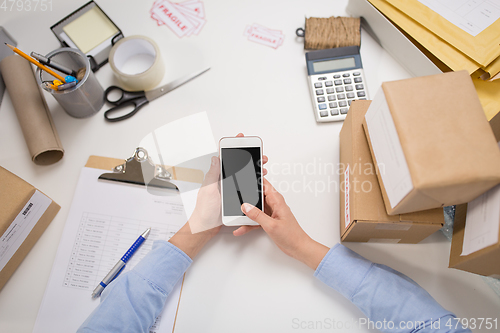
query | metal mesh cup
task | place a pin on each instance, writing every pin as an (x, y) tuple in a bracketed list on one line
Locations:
[(87, 97)]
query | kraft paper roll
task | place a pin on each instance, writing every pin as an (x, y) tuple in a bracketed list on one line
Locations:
[(32, 111), (136, 63)]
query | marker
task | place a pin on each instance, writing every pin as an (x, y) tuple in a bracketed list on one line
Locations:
[(50, 85), (66, 85), (36, 63), (120, 265), (51, 63)]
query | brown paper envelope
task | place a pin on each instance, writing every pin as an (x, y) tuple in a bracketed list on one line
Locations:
[(445, 52), (482, 48)]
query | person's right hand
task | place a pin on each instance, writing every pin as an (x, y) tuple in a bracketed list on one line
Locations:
[(284, 229)]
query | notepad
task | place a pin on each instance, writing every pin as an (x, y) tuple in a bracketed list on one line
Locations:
[(90, 29)]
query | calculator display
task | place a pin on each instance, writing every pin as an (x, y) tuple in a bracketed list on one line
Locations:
[(333, 65)]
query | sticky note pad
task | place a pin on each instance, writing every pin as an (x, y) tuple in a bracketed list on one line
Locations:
[(90, 29)]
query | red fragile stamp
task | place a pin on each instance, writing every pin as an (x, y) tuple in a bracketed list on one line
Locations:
[(265, 36), (184, 19)]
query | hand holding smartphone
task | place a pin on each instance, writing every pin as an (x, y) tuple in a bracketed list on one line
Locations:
[(241, 177)]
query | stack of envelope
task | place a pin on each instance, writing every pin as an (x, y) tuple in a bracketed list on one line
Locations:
[(455, 36)]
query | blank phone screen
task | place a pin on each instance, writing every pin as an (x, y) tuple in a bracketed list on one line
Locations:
[(241, 179)]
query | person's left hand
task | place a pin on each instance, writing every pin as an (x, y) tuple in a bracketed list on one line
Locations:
[(206, 220), (207, 213)]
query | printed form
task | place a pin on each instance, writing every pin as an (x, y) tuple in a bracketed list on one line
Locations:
[(472, 16), (481, 224), (104, 221)]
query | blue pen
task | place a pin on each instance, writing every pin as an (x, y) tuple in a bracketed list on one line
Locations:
[(120, 265)]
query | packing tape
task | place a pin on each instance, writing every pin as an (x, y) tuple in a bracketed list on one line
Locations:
[(137, 63)]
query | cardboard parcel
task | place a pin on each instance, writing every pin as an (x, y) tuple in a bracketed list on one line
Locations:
[(475, 246), (431, 140), (26, 212), (363, 216)]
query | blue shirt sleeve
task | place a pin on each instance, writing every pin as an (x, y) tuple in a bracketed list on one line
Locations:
[(132, 301), (391, 301)]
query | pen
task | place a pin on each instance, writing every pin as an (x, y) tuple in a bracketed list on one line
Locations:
[(36, 63), (113, 273), (51, 63)]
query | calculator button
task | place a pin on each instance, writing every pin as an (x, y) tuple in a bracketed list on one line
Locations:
[(351, 95), (331, 97), (338, 82), (342, 104), (323, 113), (330, 90), (334, 112), (333, 105), (356, 74), (318, 85), (350, 101), (362, 99), (328, 83), (339, 89), (357, 80), (322, 106), (321, 99), (336, 76), (322, 78), (319, 92), (347, 81), (346, 75), (349, 88), (359, 87), (340, 96), (344, 110), (361, 94)]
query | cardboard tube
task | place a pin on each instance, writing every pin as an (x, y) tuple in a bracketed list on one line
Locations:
[(32, 111)]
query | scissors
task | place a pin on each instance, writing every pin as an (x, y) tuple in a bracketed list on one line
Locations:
[(140, 98)]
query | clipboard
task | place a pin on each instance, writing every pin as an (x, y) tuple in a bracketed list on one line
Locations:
[(126, 171), (129, 172), (102, 216), (109, 163)]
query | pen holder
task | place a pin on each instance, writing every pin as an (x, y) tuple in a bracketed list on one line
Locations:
[(84, 99)]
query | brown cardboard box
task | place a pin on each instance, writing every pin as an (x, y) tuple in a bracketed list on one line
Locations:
[(495, 126), (431, 143), (24, 216), (366, 215), (485, 261)]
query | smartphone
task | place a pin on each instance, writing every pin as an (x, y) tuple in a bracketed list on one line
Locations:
[(241, 178)]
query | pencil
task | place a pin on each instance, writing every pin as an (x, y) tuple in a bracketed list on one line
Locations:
[(34, 62)]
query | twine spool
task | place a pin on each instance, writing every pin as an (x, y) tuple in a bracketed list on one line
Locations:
[(327, 33)]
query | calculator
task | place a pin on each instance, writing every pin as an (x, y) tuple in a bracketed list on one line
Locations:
[(336, 79)]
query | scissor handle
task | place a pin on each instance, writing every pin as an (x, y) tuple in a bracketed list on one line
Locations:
[(125, 95), (138, 103)]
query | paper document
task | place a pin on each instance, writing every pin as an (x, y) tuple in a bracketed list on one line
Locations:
[(104, 221), (472, 16), (482, 222), (387, 149)]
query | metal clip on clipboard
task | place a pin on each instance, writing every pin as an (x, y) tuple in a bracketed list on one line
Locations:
[(139, 169)]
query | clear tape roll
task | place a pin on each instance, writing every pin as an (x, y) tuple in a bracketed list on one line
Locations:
[(136, 63)]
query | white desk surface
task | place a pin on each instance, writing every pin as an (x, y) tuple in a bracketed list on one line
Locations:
[(236, 284)]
